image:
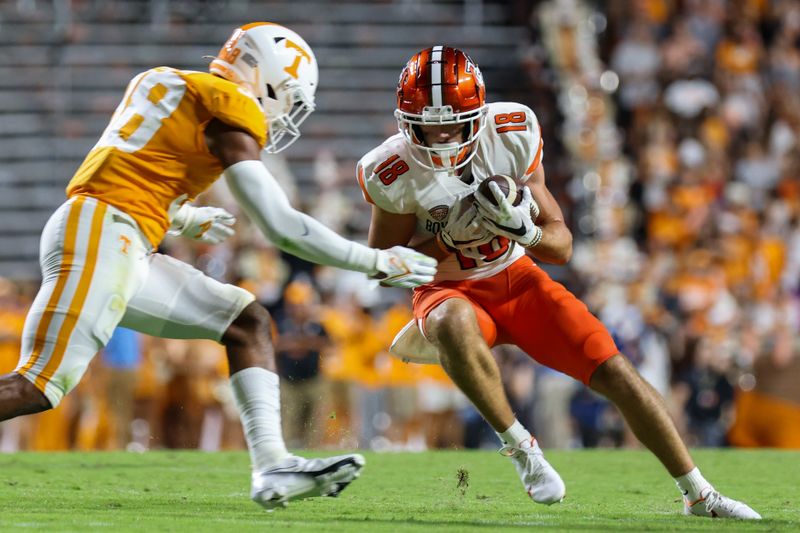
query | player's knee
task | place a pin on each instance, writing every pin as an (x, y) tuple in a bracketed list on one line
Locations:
[(616, 377), (452, 319), (252, 325)]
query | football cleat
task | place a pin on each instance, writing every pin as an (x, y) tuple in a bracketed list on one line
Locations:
[(540, 480), (713, 504), (295, 478)]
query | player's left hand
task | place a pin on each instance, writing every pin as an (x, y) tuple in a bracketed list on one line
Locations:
[(513, 222), (463, 229), (403, 267), (211, 225)]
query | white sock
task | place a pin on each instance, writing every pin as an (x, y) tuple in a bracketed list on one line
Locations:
[(692, 484), (257, 395), (515, 435)]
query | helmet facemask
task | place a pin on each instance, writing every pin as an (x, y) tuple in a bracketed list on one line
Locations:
[(442, 156), (284, 112)]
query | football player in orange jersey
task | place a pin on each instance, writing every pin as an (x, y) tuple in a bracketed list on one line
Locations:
[(422, 185), (172, 135)]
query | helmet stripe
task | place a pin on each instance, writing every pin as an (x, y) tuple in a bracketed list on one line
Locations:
[(436, 76), (257, 24)]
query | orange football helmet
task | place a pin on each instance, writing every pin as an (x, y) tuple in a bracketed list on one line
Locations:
[(441, 86)]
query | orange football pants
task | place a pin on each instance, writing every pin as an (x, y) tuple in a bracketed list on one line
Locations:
[(521, 305), (764, 421)]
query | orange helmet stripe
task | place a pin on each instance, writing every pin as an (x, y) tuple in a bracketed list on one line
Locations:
[(256, 24)]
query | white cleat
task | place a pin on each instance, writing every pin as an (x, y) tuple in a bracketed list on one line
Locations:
[(295, 478), (540, 480), (712, 503)]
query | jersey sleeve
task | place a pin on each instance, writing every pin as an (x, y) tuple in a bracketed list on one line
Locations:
[(381, 183), (229, 103), (518, 129), (535, 144)]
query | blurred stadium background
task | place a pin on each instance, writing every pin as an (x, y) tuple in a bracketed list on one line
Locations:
[(671, 141)]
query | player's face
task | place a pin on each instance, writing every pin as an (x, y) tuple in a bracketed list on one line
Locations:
[(447, 133)]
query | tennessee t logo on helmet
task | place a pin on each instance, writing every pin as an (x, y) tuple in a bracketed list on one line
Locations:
[(441, 86), (279, 68)]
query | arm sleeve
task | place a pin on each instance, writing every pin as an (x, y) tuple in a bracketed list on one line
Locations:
[(294, 232)]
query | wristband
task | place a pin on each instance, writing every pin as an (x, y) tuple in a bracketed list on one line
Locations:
[(537, 238)]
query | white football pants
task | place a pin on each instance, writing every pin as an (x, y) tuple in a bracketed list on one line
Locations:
[(98, 272)]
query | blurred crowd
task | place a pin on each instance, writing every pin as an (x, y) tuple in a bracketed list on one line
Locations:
[(671, 142), (678, 124)]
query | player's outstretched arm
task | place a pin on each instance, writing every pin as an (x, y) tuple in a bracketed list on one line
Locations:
[(260, 196)]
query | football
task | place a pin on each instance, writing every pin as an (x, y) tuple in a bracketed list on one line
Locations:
[(511, 187)]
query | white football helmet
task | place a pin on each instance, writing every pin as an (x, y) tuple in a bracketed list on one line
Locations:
[(279, 68)]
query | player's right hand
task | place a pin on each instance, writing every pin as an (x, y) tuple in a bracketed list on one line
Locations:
[(403, 267), (513, 222), (463, 228), (211, 225)]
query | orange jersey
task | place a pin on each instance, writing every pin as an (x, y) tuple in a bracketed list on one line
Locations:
[(153, 155)]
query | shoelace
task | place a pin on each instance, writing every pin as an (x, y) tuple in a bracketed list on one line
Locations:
[(714, 500)]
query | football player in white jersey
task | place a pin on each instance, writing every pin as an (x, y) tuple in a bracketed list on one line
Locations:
[(422, 185), (174, 133)]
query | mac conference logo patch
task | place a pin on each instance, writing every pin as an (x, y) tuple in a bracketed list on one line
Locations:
[(439, 212)]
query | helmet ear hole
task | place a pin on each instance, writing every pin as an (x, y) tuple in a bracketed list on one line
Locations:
[(271, 92)]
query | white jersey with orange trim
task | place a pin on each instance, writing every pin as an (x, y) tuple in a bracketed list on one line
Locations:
[(391, 178), (153, 154)]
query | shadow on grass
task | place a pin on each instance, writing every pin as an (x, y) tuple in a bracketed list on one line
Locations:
[(683, 523)]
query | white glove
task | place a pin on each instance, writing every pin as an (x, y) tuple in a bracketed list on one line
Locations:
[(211, 225), (463, 228), (403, 267), (514, 222)]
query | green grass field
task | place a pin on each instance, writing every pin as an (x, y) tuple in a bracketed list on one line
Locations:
[(195, 491)]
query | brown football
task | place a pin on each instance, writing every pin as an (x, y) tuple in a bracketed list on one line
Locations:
[(510, 187)]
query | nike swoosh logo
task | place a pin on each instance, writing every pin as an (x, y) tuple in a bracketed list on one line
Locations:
[(463, 243), (305, 228), (520, 231)]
